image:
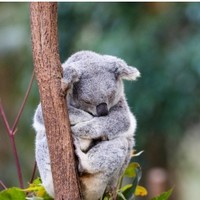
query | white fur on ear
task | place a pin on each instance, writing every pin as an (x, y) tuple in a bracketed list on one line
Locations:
[(129, 73), (71, 72), (71, 75), (122, 70), (126, 72)]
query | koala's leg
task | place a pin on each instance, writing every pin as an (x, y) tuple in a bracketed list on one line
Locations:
[(100, 164), (92, 186), (112, 183)]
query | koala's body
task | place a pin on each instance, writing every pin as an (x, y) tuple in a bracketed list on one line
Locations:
[(102, 124)]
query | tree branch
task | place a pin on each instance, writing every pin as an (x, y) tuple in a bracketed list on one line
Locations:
[(48, 73)]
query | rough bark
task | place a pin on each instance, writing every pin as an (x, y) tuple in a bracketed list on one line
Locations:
[(48, 73)]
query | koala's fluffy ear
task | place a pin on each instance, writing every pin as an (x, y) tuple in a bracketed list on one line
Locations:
[(126, 72), (71, 72)]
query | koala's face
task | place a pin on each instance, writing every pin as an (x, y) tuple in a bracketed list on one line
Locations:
[(98, 85), (97, 91)]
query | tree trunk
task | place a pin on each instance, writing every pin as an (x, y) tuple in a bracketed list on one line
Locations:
[(48, 73)]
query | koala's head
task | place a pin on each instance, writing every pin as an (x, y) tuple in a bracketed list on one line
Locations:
[(99, 85)]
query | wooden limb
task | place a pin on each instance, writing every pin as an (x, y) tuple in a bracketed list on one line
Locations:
[(49, 73)]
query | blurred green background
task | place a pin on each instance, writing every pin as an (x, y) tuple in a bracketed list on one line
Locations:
[(161, 39)]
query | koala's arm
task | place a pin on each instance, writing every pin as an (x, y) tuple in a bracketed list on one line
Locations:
[(77, 115), (119, 121)]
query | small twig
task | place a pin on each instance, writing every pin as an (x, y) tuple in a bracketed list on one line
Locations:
[(5, 119), (11, 131), (23, 103), (19, 171), (13, 145), (3, 185), (33, 173)]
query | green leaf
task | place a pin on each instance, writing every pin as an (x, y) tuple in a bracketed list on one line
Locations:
[(131, 170), (106, 198), (37, 191), (12, 194), (129, 192), (32, 188), (120, 196), (37, 181), (164, 196), (126, 187)]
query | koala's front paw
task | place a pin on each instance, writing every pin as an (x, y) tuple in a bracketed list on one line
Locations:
[(84, 130), (78, 116)]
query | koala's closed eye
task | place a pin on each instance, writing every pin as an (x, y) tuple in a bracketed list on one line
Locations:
[(87, 102)]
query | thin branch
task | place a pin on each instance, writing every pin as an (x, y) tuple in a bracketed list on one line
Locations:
[(3, 185), (23, 104), (5, 119), (13, 145), (33, 173), (11, 132), (19, 171)]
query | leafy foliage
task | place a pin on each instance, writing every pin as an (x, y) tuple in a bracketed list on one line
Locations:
[(12, 194), (131, 191), (164, 196), (35, 191)]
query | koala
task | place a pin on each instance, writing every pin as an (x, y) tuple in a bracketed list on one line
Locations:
[(101, 122)]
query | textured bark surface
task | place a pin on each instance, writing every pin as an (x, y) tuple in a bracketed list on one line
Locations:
[(48, 73)]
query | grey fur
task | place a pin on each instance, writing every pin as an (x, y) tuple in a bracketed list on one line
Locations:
[(102, 143)]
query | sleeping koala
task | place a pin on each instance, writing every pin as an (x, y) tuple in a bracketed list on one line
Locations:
[(101, 121)]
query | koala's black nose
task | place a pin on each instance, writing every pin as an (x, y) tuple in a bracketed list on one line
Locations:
[(102, 109)]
